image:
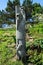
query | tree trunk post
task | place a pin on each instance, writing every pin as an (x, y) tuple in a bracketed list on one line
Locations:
[(20, 32)]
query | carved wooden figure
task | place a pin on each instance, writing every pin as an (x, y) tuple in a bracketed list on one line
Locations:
[(20, 32)]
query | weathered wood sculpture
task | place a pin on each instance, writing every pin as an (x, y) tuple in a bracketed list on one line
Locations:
[(20, 32)]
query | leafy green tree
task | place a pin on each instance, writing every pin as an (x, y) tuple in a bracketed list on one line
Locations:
[(1, 18), (10, 10), (42, 9), (8, 15), (37, 8), (28, 8)]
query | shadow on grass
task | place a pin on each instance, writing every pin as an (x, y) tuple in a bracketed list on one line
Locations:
[(25, 61), (14, 37)]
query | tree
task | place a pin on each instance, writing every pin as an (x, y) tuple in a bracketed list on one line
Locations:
[(37, 8), (10, 10), (28, 8), (8, 15), (2, 18)]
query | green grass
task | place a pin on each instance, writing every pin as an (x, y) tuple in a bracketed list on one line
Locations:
[(33, 49), (7, 37), (36, 30)]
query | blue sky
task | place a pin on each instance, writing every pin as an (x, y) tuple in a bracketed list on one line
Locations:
[(3, 3)]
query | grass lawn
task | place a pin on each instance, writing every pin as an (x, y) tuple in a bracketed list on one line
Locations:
[(34, 49)]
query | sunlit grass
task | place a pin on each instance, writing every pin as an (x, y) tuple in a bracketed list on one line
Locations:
[(7, 46)]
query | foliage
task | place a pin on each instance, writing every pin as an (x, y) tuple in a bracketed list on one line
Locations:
[(37, 8), (35, 52), (39, 42), (34, 49), (8, 16), (28, 8), (36, 30), (7, 48)]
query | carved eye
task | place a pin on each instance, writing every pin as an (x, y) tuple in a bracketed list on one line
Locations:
[(17, 15)]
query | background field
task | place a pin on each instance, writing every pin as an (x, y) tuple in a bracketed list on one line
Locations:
[(34, 45)]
